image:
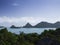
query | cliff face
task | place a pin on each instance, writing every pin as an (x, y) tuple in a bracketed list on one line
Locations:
[(47, 41)]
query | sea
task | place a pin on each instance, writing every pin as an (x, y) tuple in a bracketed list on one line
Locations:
[(28, 30)]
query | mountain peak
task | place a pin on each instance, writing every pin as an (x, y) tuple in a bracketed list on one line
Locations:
[(28, 25), (43, 24)]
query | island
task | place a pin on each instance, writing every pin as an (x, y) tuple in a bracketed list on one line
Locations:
[(2, 27), (43, 25), (13, 26), (28, 25)]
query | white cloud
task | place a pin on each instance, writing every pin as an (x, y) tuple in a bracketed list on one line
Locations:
[(15, 4), (23, 20), (20, 20)]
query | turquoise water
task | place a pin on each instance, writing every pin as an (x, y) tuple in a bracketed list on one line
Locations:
[(28, 30)]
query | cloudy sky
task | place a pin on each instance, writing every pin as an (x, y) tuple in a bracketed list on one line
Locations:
[(19, 12)]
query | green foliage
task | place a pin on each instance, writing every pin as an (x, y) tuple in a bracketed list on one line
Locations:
[(8, 38)]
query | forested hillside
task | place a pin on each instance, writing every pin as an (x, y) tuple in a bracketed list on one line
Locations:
[(50, 37)]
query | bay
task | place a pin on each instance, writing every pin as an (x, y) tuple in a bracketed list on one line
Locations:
[(28, 30)]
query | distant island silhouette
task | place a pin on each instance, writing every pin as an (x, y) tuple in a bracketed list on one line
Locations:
[(2, 27), (13, 26), (28, 25), (40, 25)]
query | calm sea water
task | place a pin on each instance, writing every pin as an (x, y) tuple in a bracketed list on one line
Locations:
[(28, 30)]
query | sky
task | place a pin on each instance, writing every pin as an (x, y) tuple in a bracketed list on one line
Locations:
[(19, 12)]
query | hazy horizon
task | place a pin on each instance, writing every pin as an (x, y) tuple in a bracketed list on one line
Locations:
[(19, 12)]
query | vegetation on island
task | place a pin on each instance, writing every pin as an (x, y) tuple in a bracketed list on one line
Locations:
[(48, 37)]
